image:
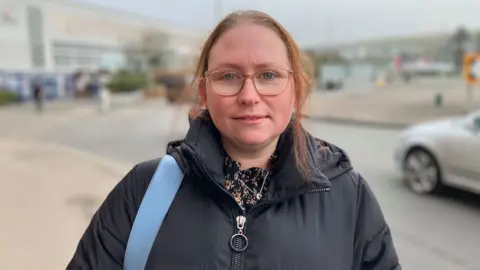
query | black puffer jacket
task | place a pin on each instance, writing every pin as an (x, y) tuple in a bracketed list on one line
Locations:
[(332, 222)]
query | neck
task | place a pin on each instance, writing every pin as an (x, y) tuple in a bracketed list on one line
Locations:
[(250, 156)]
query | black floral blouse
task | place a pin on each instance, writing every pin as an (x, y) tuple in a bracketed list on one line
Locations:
[(249, 186)]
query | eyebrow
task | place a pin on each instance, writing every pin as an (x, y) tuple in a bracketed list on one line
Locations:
[(239, 67)]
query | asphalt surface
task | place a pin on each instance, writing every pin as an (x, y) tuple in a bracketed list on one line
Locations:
[(434, 232)]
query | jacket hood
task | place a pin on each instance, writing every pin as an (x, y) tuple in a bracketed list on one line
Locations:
[(201, 152)]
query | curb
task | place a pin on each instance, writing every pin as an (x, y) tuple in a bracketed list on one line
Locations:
[(358, 122)]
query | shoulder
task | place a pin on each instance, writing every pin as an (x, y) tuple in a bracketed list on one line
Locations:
[(105, 238), (352, 191), (336, 165), (352, 184), (144, 170), (135, 183), (138, 179), (332, 161), (370, 218)]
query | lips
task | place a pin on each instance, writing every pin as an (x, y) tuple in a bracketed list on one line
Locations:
[(250, 117)]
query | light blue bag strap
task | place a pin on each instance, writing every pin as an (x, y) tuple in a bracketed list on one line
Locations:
[(151, 213)]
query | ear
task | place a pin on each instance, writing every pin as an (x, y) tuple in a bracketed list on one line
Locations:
[(202, 91)]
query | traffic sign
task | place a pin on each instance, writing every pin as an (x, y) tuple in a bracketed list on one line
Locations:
[(471, 68)]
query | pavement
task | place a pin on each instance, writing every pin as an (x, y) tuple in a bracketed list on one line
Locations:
[(49, 194), (393, 106)]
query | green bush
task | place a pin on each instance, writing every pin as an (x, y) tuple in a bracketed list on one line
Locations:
[(7, 97), (127, 82)]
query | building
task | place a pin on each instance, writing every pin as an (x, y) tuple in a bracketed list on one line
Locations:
[(438, 46), (425, 44), (63, 36)]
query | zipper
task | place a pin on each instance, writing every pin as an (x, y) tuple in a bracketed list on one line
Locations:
[(320, 190), (239, 242)]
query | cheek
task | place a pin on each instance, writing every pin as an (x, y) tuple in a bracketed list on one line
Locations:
[(218, 106), (282, 105)]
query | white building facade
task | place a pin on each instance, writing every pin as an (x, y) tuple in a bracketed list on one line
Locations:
[(64, 36)]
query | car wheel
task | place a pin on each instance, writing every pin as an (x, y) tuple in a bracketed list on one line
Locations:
[(421, 172)]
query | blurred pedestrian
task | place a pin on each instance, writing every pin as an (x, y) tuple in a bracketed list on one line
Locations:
[(248, 187), (103, 91), (38, 96)]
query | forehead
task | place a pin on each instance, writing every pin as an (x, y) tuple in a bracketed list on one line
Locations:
[(249, 46)]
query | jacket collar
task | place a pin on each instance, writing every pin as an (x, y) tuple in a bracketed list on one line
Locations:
[(202, 150)]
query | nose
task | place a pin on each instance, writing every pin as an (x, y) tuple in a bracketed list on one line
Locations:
[(248, 94)]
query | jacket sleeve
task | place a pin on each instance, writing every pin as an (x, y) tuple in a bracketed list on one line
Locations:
[(103, 244), (373, 248)]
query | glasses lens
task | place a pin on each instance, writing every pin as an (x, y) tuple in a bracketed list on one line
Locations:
[(271, 82), (267, 82), (226, 83)]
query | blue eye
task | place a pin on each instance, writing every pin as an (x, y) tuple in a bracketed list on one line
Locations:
[(268, 75), (229, 76)]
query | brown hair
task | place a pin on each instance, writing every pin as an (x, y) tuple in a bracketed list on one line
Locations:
[(301, 78)]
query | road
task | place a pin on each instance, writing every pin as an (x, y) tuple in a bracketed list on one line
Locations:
[(440, 232)]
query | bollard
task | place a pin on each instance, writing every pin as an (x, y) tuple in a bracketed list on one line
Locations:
[(438, 100)]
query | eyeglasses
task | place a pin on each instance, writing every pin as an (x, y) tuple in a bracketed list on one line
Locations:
[(230, 82)]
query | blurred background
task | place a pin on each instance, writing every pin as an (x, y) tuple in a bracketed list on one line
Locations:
[(90, 88)]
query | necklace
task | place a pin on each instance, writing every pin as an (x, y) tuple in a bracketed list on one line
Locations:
[(257, 195)]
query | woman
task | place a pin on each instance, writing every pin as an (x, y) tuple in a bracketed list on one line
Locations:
[(250, 170)]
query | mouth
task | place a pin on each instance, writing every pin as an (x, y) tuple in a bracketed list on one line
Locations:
[(250, 118)]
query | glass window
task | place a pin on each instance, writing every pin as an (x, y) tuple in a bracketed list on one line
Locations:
[(63, 61)]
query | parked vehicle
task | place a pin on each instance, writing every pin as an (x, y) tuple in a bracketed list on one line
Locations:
[(332, 78)]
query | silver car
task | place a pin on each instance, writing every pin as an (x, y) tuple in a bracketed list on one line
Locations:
[(445, 152)]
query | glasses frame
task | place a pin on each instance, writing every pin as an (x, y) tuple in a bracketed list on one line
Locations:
[(245, 78)]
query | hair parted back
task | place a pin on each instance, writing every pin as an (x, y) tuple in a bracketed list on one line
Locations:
[(297, 61)]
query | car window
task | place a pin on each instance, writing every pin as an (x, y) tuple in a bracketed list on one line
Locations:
[(476, 122), (474, 119)]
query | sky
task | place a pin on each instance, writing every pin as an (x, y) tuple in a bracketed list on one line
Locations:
[(320, 22)]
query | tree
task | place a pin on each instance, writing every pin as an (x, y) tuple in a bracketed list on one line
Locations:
[(148, 53)]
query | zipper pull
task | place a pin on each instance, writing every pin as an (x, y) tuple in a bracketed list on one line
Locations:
[(239, 242), (241, 223)]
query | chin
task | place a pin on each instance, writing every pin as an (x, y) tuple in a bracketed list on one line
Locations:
[(253, 138)]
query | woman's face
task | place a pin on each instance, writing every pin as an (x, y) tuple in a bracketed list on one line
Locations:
[(245, 116)]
